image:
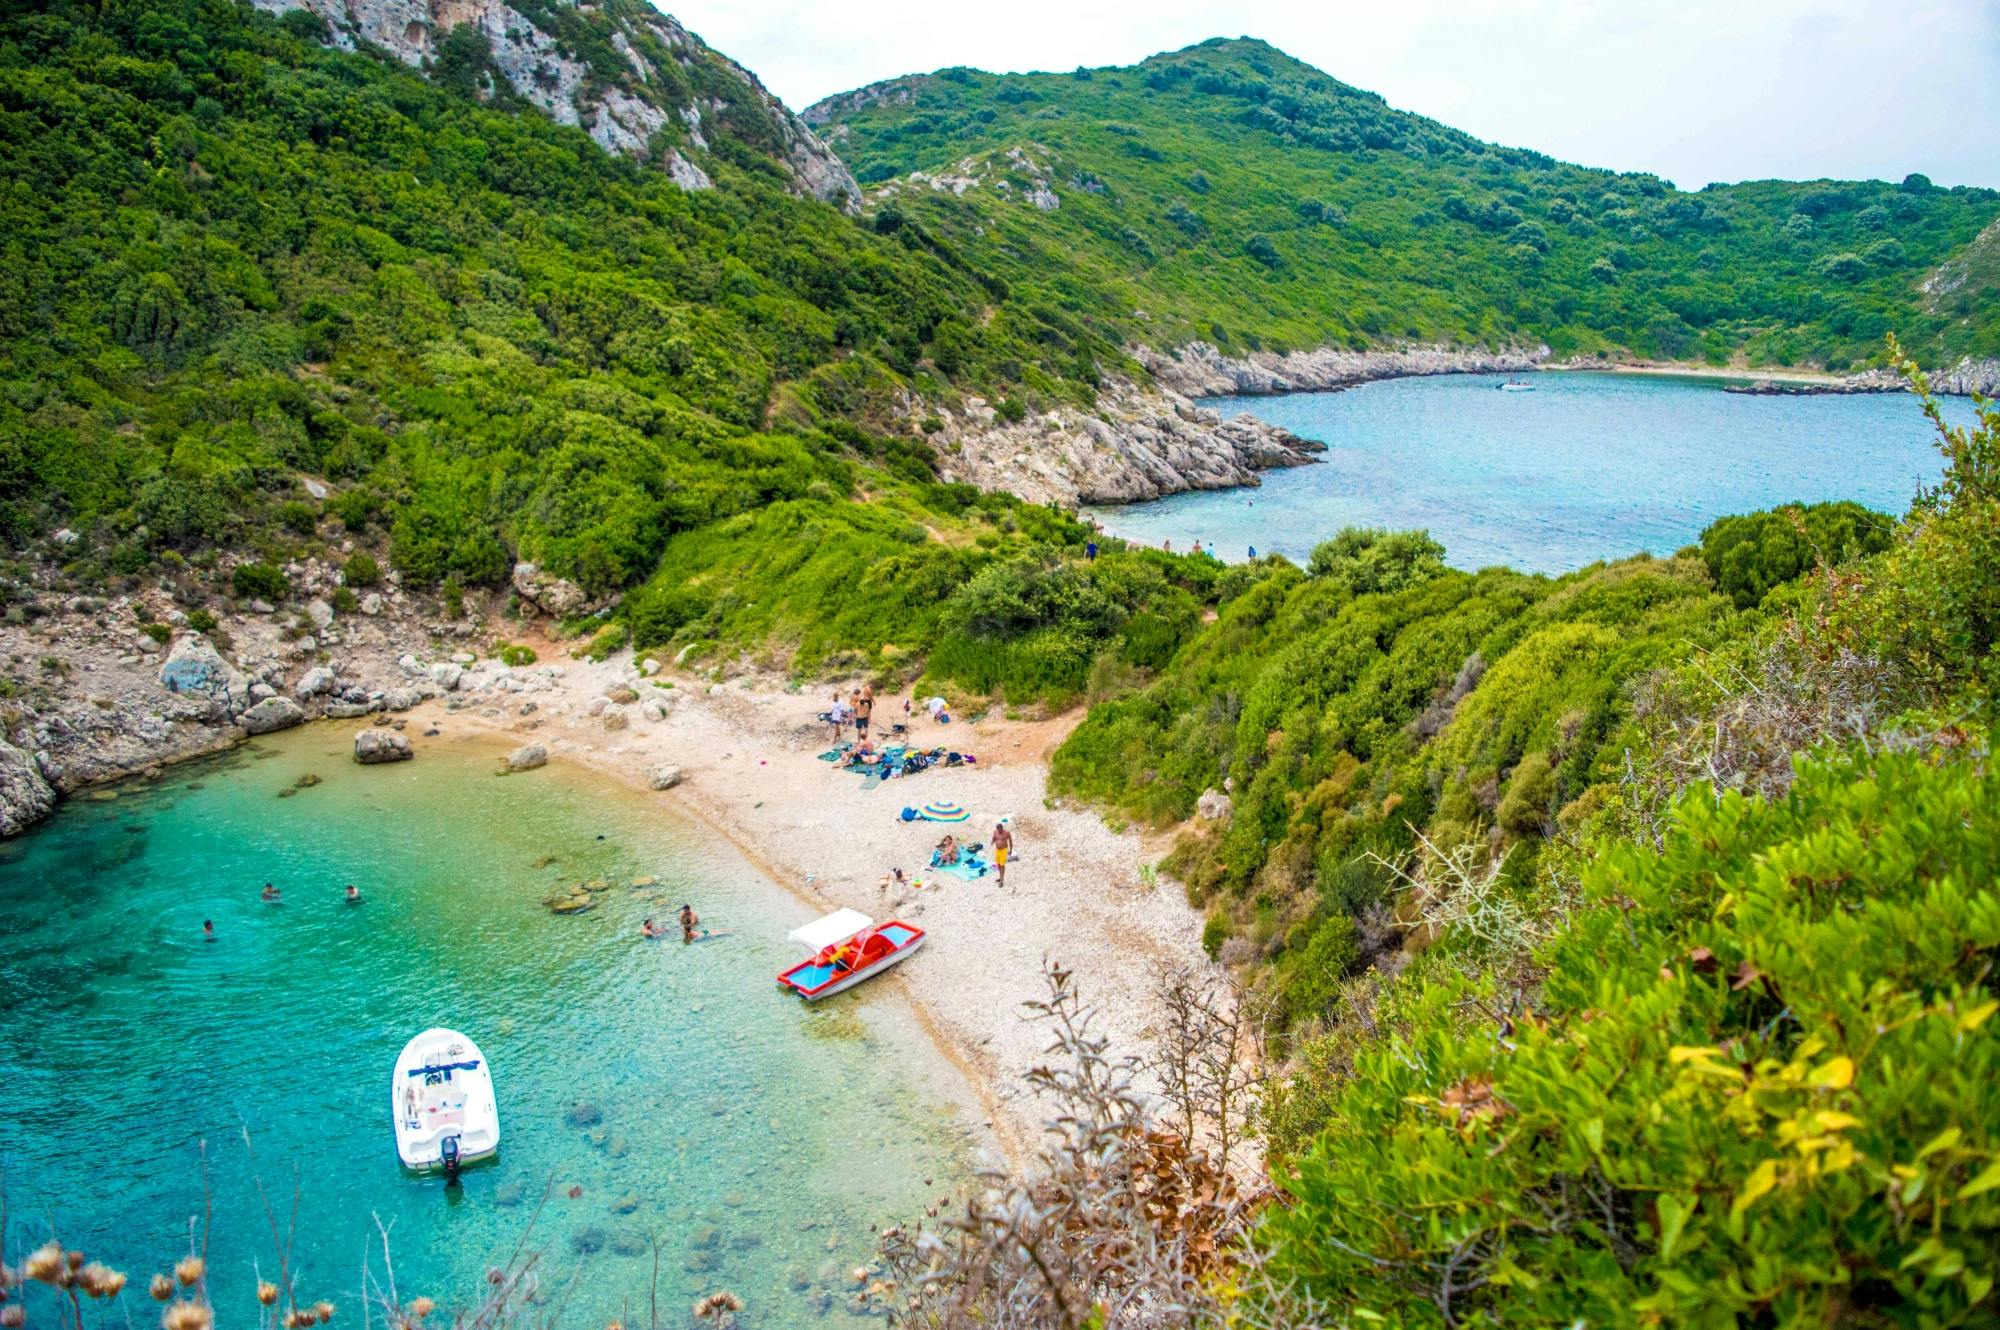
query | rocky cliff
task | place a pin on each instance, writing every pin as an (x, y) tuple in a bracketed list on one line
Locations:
[(638, 81), (1133, 444), (1200, 370)]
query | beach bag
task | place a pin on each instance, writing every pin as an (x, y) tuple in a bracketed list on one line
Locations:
[(908, 815)]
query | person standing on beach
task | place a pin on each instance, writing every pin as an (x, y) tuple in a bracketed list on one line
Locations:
[(864, 711), (838, 715), (1003, 846)]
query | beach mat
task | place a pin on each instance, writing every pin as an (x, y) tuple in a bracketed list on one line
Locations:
[(965, 871)]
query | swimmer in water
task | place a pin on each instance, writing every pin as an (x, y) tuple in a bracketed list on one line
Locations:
[(208, 930), (689, 922), (271, 896), (648, 929), (353, 896)]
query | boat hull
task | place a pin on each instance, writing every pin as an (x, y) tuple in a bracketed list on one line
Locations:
[(817, 978), (442, 1089)]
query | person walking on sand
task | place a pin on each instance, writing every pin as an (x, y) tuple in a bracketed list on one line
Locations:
[(864, 711), (1003, 846), (689, 922)]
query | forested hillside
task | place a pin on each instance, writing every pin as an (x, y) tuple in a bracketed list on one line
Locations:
[(1229, 193), (232, 258)]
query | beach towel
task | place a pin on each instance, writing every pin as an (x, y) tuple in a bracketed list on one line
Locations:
[(835, 753), (969, 869)]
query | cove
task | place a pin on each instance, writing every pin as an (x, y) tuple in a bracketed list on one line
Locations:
[(762, 1141), (1588, 467)]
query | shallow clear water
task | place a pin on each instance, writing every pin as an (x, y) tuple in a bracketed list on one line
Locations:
[(1586, 467), (792, 1132)]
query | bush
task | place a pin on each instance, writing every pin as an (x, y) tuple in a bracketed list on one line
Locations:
[(259, 581), (1747, 556), (1365, 560), (1214, 932), (361, 570), (1309, 979), (298, 518), (201, 621), (345, 601), (1765, 1048), (611, 637), (517, 655), (159, 632)]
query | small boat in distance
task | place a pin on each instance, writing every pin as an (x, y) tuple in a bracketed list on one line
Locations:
[(441, 1100), (847, 947), (1516, 386)]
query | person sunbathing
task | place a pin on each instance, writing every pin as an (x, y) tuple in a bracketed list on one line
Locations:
[(946, 853), (862, 755)]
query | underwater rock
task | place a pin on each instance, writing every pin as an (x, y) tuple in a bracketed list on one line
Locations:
[(508, 1194), (745, 1242), (576, 904), (584, 1114), (701, 1262), (705, 1238), (618, 1148), (627, 1243), (307, 781), (625, 1204), (590, 1238)]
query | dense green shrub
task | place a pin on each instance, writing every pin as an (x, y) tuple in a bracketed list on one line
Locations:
[(1756, 1085), (201, 620), (360, 570), (259, 581), (517, 655), (1363, 560), (1749, 555)]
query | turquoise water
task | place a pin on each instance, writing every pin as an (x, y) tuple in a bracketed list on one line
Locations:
[(1586, 467), (764, 1142)]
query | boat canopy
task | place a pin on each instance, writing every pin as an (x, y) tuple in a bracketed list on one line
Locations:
[(839, 926)]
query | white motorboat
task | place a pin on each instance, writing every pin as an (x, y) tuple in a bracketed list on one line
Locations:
[(442, 1102), (1516, 386)]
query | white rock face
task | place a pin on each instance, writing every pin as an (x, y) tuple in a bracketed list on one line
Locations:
[(1200, 370), (625, 108), (25, 794)]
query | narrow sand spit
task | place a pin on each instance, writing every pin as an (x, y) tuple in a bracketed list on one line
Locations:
[(1074, 891)]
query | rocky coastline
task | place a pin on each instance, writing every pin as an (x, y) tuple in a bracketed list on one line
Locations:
[(93, 696), (1199, 369), (1135, 443), (1967, 377)]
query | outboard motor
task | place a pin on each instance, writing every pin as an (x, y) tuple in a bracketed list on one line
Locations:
[(448, 1155)]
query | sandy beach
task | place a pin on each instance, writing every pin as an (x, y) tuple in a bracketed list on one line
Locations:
[(748, 751)]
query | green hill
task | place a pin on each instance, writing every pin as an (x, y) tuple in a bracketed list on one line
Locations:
[(1229, 193), (233, 257)]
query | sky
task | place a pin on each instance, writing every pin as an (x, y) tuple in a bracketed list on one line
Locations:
[(1694, 90)]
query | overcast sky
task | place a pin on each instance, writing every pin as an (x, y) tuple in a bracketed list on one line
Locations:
[(1696, 90)]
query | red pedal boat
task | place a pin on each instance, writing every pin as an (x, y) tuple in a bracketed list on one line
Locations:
[(847, 947)]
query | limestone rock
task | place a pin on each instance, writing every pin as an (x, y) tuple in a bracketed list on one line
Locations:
[(346, 710), (372, 603), (553, 595), (273, 713), (316, 681), (447, 675), (25, 794), (320, 613), (527, 758), (402, 699), (616, 720), (195, 668), (664, 777), (622, 694), (373, 746), (1214, 806)]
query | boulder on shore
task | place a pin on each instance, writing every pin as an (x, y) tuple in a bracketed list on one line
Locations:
[(664, 777), (527, 757), (373, 746), (316, 681), (273, 713), (552, 595), (25, 795)]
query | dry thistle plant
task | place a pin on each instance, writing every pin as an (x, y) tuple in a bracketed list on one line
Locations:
[(1126, 1225)]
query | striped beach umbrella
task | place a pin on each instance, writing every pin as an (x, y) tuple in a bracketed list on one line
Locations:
[(944, 810)]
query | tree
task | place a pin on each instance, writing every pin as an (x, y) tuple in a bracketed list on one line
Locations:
[(1366, 560)]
